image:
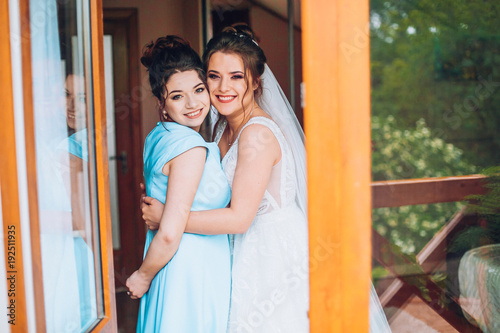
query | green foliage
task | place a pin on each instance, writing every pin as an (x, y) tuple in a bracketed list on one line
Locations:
[(440, 61), (435, 68), (488, 205), (411, 227), (412, 153), (379, 272)]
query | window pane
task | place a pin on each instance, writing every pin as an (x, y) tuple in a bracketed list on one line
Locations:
[(435, 79), (64, 131), (436, 266), (412, 227)]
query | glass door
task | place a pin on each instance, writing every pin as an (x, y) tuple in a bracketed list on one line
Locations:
[(435, 158), (56, 182), (63, 106)]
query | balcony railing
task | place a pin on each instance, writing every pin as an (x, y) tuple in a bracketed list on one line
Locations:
[(414, 276)]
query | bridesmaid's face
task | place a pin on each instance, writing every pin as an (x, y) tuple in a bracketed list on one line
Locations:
[(187, 101), (228, 84), (74, 89)]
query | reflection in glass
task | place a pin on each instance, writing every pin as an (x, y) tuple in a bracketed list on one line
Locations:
[(435, 75), (412, 227), (68, 230), (479, 268), (413, 152)]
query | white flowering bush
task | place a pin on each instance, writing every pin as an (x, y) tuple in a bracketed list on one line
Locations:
[(412, 153)]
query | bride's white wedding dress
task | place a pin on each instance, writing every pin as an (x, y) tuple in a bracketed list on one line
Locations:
[(270, 277), (270, 272)]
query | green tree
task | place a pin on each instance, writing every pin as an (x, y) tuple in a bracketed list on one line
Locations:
[(440, 60), (414, 152)]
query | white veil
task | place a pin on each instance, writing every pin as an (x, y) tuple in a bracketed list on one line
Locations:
[(275, 103)]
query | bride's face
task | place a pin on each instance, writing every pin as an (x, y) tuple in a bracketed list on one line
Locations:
[(228, 84)]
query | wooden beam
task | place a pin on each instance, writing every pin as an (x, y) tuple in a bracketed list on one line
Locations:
[(337, 126), (397, 193), (431, 257)]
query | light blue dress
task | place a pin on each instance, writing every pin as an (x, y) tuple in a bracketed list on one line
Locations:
[(83, 255), (191, 293)]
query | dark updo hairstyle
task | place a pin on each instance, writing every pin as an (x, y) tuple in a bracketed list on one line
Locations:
[(239, 39), (163, 58)]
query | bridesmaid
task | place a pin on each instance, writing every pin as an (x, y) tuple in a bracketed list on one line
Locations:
[(191, 291)]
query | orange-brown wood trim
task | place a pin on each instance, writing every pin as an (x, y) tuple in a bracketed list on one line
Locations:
[(16, 295), (108, 323), (336, 58), (29, 129), (129, 17), (396, 193)]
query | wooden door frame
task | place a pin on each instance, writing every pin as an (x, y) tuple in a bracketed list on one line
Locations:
[(132, 241), (108, 323)]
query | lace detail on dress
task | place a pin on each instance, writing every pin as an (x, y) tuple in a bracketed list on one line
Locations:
[(270, 268), (282, 188), (220, 126)]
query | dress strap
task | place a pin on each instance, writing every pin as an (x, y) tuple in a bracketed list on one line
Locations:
[(269, 123), (220, 126)]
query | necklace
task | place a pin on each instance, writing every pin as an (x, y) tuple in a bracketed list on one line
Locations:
[(229, 143)]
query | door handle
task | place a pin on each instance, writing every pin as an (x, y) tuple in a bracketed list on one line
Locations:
[(123, 159)]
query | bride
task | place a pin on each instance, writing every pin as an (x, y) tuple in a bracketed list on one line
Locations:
[(263, 158)]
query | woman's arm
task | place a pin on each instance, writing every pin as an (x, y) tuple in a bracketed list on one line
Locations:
[(258, 151), (184, 175)]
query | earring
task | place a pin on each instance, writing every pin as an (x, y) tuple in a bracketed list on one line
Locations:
[(165, 114)]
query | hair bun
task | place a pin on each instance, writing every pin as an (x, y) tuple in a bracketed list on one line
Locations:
[(147, 54), (240, 29), (153, 49)]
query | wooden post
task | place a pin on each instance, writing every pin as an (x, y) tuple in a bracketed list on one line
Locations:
[(336, 57)]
